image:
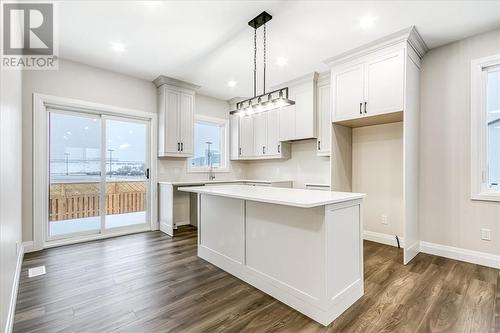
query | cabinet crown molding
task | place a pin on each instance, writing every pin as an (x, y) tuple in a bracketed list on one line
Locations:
[(162, 79), (409, 35)]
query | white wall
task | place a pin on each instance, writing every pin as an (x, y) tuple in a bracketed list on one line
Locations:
[(175, 169), (75, 80), (304, 166), (377, 170), (10, 185), (447, 214)]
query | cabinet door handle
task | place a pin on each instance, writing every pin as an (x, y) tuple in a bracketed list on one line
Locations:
[(239, 152), (365, 106), (263, 150), (279, 148), (319, 145), (360, 105), (182, 146), (178, 146)]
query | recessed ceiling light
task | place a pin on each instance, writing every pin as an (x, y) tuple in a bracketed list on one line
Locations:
[(281, 61), (151, 4), (367, 21), (117, 47), (231, 83)]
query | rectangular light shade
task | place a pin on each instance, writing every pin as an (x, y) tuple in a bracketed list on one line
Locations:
[(274, 104)]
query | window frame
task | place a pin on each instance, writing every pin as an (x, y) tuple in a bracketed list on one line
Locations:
[(224, 124), (479, 129)]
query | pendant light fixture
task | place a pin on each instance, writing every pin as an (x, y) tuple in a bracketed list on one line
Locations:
[(267, 100)]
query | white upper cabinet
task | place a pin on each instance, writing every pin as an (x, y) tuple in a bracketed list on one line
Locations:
[(246, 149), (324, 115), (368, 83), (370, 88), (349, 92), (286, 129), (256, 137), (260, 133), (273, 145), (298, 121), (384, 83), (176, 101), (234, 139), (186, 121)]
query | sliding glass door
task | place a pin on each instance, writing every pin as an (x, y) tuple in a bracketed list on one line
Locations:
[(126, 173), (74, 174), (98, 174)]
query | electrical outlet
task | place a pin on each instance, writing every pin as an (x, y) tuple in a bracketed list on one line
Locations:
[(486, 234), (383, 219)]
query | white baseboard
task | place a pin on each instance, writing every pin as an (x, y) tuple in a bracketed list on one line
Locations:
[(450, 252), (180, 223), (379, 237), (470, 256), (28, 246), (9, 325)]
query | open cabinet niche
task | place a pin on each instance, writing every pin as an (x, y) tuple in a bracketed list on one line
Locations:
[(375, 134)]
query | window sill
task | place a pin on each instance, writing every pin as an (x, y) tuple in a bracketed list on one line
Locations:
[(487, 196)]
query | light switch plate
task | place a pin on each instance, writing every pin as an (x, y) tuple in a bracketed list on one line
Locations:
[(36, 271)]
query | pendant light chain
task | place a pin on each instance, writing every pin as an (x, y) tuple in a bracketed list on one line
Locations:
[(255, 62), (264, 89)]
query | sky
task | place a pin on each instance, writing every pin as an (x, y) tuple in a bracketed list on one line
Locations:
[(81, 138)]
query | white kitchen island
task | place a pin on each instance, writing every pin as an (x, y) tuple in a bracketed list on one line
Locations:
[(303, 247)]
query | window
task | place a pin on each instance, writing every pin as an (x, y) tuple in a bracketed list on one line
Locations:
[(485, 130), (210, 145), (493, 119)]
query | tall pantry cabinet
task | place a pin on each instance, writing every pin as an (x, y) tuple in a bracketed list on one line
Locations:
[(378, 84)]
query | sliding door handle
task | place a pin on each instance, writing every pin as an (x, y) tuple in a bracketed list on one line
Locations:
[(147, 173)]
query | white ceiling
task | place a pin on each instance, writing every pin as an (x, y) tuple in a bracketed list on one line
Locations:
[(209, 42)]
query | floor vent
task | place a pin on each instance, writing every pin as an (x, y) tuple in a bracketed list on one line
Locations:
[(36, 271)]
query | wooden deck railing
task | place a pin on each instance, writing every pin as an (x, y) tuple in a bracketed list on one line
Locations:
[(77, 200)]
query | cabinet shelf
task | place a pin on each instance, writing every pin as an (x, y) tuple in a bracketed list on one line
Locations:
[(378, 119)]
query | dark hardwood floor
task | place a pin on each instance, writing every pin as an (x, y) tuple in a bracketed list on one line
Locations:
[(150, 282)]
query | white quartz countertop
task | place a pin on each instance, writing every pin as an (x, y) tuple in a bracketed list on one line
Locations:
[(276, 195), (220, 181)]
